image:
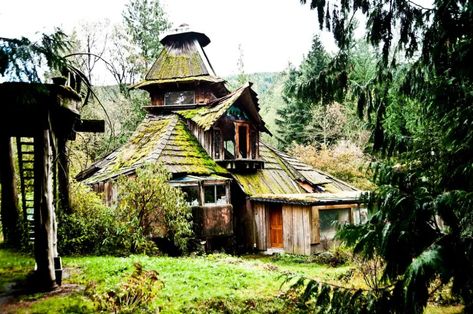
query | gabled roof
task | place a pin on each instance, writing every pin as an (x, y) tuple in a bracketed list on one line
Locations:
[(162, 139), (206, 116), (281, 175)]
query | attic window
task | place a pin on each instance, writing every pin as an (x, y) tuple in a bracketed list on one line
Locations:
[(179, 98)]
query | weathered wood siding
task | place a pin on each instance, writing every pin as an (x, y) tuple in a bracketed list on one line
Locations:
[(315, 225), (205, 138), (211, 221), (261, 225), (296, 229)]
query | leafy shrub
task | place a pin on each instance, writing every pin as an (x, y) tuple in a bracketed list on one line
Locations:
[(160, 209), (148, 207), (135, 295), (94, 228)]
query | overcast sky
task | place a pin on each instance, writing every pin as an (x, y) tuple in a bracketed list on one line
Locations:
[(272, 33)]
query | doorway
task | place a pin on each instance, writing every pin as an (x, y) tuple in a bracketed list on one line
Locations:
[(275, 227)]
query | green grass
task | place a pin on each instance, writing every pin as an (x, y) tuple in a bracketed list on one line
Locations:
[(201, 284), (13, 267)]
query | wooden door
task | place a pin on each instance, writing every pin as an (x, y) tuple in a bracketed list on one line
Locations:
[(275, 227)]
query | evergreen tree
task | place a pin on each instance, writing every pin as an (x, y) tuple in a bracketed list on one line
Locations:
[(295, 116), (421, 114), (144, 21)]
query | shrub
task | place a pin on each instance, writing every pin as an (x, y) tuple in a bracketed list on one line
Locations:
[(94, 228), (135, 295), (160, 209)]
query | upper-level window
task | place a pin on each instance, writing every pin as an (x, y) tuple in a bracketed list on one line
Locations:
[(179, 98)]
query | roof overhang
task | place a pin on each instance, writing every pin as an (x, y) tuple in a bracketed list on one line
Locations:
[(312, 199)]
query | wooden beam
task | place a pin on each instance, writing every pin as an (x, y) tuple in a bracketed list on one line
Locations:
[(44, 212)]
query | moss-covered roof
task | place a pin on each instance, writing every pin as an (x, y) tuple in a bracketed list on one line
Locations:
[(275, 178), (206, 116), (344, 197), (180, 60), (158, 138), (281, 175)]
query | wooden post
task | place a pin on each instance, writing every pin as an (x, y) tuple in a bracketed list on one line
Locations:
[(63, 177), (44, 212), (10, 211)]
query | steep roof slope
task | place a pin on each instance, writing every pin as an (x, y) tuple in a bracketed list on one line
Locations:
[(206, 116), (281, 175), (162, 139)]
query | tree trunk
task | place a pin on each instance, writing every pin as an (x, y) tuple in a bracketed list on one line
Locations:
[(10, 211), (44, 213)]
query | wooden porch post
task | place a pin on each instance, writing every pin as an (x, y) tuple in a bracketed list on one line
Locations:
[(63, 177), (44, 212), (10, 211)]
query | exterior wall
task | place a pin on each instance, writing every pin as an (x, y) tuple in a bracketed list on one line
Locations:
[(213, 221), (202, 96), (296, 229), (297, 232), (261, 226), (301, 226), (244, 223)]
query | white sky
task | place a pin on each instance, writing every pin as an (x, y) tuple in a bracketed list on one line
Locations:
[(272, 33)]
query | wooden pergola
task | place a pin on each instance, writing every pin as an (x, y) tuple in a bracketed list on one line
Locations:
[(42, 117)]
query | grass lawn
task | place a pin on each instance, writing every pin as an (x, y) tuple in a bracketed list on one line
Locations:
[(200, 284)]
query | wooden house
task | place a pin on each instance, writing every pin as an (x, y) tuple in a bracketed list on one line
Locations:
[(208, 138)]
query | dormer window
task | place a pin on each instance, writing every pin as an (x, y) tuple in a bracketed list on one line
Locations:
[(179, 98)]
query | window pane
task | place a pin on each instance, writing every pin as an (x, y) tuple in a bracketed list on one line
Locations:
[(192, 195), (229, 149), (179, 98), (209, 192), (328, 220), (221, 195)]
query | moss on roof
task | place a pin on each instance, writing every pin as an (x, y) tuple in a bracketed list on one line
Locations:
[(178, 61), (158, 138), (273, 179), (183, 154), (206, 116)]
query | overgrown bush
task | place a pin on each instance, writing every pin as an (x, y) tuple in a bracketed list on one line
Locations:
[(148, 207), (93, 228), (135, 295), (161, 210)]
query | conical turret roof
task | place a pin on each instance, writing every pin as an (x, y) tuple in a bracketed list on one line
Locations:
[(182, 56)]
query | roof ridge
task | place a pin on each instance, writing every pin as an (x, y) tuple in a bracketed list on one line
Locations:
[(164, 139)]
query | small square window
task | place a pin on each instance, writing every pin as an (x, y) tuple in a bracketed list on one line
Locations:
[(215, 194), (179, 98)]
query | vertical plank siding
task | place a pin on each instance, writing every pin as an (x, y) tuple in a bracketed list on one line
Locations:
[(315, 225), (261, 224), (297, 229)]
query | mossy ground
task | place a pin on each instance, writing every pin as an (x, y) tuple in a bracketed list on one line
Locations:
[(196, 284)]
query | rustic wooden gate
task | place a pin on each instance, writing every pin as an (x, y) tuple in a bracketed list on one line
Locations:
[(275, 226)]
